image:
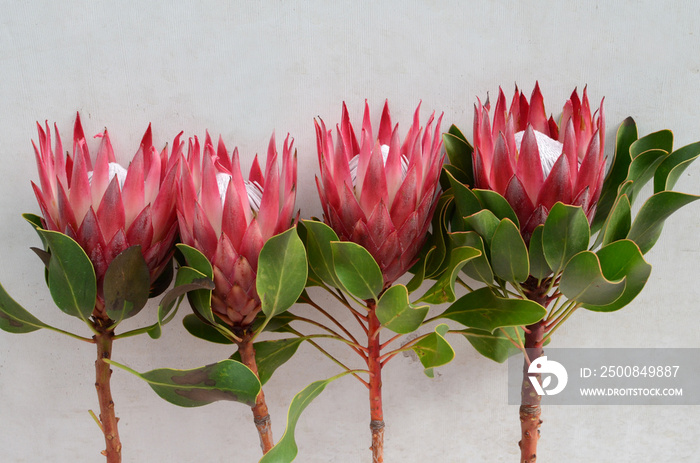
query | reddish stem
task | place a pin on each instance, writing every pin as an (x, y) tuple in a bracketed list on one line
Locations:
[(530, 410), (261, 416), (375, 386), (108, 419)]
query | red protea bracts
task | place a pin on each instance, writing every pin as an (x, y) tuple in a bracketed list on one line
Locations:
[(533, 162), (229, 219), (380, 193), (105, 207)]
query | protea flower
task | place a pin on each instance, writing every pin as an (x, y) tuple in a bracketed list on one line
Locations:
[(381, 193), (533, 162), (229, 219), (105, 207)]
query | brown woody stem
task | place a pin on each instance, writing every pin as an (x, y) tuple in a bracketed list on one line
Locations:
[(108, 419), (261, 416), (375, 386)]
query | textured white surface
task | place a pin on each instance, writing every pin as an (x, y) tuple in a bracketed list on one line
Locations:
[(244, 69)]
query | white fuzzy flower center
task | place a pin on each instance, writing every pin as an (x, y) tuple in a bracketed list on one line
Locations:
[(253, 189), (385, 155), (114, 170), (549, 149)]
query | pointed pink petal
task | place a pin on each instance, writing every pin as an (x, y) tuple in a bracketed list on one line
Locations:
[(529, 166), (133, 190), (379, 224), (141, 230), (537, 117), (374, 182), (385, 129), (270, 203), (204, 235), (499, 114), (80, 197), (557, 186), (100, 174), (110, 213), (238, 182), (393, 167), (251, 244), (502, 169), (570, 150), (210, 198), (517, 198), (590, 165)]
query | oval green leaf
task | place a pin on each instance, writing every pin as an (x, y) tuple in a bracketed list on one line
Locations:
[(478, 268), (434, 350), (509, 256), (484, 310), (444, 288), (396, 312), (16, 319), (357, 270), (496, 204), (282, 272), (583, 281), (565, 234), (622, 259), (649, 223), (225, 380), (484, 223), (203, 330), (72, 281), (318, 248), (495, 346), (674, 165), (126, 284)]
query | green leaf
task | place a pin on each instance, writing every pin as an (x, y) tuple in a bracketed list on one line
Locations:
[(466, 201), (626, 135), (484, 223), (583, 281), (672, 167), (436, 261), (484, 310), (286, 448), (270, 355), (202, 330), (642, 169), (72, 281), (126, 284), (496, 204), (444, 288), (459, 152), (622, 259), (196, 260), (478, 268), (200, 299), (495, 346), (396, 312), (649, 222), (419, 269), (16, 319), (434, 350), (318, 247), (661, 140), (36, 222), (539, 268), (357, 270), (282, 272), (565, 234), (225, 380), (509, 254), (198, 267), (618, 223)]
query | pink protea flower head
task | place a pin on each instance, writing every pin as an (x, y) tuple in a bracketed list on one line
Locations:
[(381, 193), (105, 207), (229, 219), (533, 162)]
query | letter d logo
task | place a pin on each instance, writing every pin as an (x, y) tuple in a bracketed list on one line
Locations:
[(543, 366)]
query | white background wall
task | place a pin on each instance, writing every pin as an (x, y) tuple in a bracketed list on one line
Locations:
[(244, 69)]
